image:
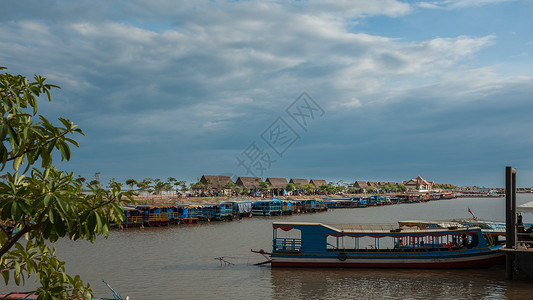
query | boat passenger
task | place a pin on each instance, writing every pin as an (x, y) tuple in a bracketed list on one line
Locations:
[(464, 242)]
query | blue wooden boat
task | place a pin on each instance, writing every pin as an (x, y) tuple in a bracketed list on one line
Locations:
[(267, 207), (133, 218), (173, 214), (206, 212), (154, 215), (287, 207), (242, 208), (188, 214), (381, 246), (223, 211)]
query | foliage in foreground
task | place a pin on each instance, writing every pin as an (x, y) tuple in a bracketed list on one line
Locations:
[(39, 205)]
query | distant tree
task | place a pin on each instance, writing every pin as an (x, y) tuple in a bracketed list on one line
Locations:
[(96, 180), (131, 183), (113, 183), (351, 189), (147, 185), (197, 186), (340, 186), (171, 181), (159, 186), (309, 188), (167, 187), (298, 187), (401, 187), (238, 190), (264, 187), (230, 185), (181, 185), (142, 186), (371, 189), (291, 187), (209, 186), (324, 189), (386, 187)]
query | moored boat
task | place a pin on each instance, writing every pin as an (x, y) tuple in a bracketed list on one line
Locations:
[(381, 246)]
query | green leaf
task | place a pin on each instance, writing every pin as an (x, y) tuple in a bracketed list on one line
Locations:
[(15, 211), (51, 145), (6, 210), (65, 150), (73, 142), (91, 221), (47, 229), (17, 161), (52, 215), (98, 222), (3, 131), (47, 199), (5, 274), (62, 205), (60, 228)]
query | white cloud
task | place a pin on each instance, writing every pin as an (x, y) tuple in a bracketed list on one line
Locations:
[(455, 4)]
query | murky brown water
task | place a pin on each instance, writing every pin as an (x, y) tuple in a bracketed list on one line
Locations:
[(179, 262)]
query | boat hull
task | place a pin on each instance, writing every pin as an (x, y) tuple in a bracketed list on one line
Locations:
[(350, 260)]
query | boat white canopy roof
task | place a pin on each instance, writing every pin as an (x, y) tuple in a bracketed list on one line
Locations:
[(525, 208)]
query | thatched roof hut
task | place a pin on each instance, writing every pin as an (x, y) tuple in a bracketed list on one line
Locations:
[(277, 183), (299, 182), (217, 182), (360, 184), (373, 184), (248, 182), (318, 182)]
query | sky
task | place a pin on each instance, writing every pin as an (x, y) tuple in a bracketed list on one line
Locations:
[(337, 90)]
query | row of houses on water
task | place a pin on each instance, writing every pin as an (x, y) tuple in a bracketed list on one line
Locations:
[(220, 184), (277, 186), (416, 184)]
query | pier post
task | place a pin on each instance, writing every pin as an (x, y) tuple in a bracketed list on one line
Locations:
[(510, 218)]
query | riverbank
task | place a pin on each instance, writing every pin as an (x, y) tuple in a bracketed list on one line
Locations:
[(173, 199)]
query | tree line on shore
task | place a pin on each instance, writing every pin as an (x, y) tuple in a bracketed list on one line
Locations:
[(157, 186)]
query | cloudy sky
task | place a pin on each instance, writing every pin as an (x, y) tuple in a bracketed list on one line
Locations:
[(352, 90)]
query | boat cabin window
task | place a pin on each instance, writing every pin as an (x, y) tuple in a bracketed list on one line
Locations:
[(404, 242), (287, 238)]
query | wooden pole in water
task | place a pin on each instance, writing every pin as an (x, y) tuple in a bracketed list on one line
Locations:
[(510, 218)]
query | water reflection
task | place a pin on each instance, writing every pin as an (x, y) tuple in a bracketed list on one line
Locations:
[(385, 283)]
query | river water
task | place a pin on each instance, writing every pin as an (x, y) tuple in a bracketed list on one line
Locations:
[(179, 262)]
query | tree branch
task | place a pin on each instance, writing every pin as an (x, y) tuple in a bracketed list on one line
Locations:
[(35, 148), (11, 241)]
